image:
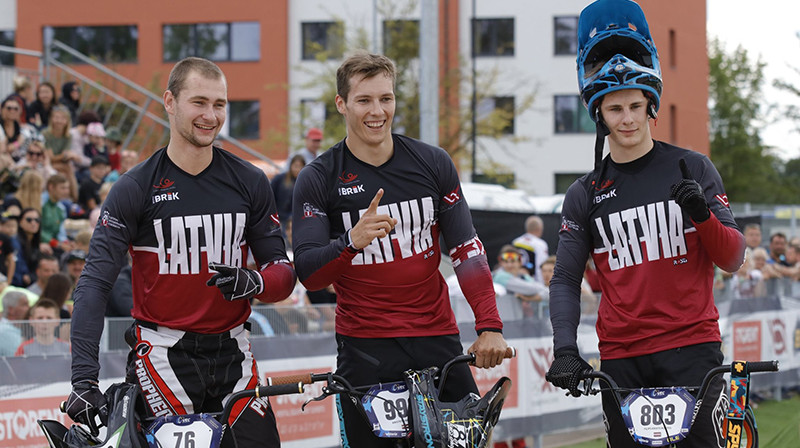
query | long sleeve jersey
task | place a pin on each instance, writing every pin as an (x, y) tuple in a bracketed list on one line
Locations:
[(655, 265), (173, 224), (393, 287)]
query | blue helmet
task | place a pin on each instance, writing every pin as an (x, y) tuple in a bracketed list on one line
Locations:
[(616, 52)]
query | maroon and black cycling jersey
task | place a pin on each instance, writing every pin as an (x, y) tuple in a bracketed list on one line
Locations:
[(172, 224), (655, 265), (393, 287)]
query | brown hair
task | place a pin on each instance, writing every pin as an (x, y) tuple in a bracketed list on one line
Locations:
[(45, 303), (365, 64), (181, 71), (57, 289), (60, 109), (56, 179)]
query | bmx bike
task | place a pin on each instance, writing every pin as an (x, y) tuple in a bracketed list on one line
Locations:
[(390, 408), (663, 416)]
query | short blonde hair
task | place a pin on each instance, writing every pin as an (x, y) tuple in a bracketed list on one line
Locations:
[(21, 83)]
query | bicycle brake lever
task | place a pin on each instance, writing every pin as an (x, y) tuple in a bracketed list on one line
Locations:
[(325, 394), (333, 388)]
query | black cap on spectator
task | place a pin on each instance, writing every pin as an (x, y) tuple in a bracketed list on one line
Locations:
[(76, 254), (99, 160)]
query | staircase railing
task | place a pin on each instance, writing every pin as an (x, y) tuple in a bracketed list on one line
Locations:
[(137, 111)]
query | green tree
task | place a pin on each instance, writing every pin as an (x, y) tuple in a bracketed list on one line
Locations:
[(401, 44), (749, 169), (791, 111)]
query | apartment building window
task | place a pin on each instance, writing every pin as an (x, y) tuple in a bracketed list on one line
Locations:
[(497, 108), (236, 41), (570, 115), (400, 37), (244, 119), (565, 35), (313, 113), (493, 37), (673, 51), (104, 43), (7, 39), (564, 180), (323, 38)]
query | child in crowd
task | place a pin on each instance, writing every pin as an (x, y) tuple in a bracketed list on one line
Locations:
[(44, 318)]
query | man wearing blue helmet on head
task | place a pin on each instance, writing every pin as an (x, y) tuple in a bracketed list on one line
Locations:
[(655, 219)]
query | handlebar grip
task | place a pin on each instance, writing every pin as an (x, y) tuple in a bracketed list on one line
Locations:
[(63, 407), (279, 389), (304, 378), (762, 366), (511, 352)]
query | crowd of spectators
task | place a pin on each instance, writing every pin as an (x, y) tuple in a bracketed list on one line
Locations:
[(523, 271), (57, 162), (769, 269)]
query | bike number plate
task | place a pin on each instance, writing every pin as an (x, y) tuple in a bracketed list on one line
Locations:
[(386, 406), (658, 416), (185, 431)]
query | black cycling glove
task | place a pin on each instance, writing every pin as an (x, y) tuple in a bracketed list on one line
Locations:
[(85, 403), (689, 195), (567, 369), (236, 283)]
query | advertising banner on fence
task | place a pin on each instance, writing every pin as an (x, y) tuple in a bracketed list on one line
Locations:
[(533, 405)]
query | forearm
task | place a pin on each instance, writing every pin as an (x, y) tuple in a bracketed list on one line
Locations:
[(318, 267), (279, 279), (87, 327), (725, 245), (475, 280)]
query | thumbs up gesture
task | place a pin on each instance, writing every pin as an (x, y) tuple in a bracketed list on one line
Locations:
[(371, 225), (689, 195)]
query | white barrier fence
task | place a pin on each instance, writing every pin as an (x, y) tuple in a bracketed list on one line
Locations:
[(758, 329)]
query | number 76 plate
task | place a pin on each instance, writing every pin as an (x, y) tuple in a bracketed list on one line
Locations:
[(386, 406)]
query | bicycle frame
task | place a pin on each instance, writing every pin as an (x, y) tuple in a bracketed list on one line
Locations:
[(663, 416)]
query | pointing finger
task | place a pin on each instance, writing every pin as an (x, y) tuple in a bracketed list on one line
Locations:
[(685, 169), (373, 205)]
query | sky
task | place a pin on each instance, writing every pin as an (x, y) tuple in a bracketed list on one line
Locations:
[(765, 28)]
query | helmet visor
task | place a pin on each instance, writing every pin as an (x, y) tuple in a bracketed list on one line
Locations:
[(606, 48)]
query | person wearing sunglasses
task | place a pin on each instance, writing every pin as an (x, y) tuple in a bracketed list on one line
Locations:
[(10, 112), (36, 159), (523, 290)]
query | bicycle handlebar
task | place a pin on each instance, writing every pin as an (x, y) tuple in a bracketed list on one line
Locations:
[(752, 367), (294, 384), (308, 378)]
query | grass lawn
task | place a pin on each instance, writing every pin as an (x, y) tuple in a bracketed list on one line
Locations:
[(778, 425)]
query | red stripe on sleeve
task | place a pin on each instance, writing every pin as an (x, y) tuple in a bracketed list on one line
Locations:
[(725, 245), (279, 279)]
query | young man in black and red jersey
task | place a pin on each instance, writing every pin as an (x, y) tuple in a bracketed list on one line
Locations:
[(367, 218), (188, 215), (655, 219)]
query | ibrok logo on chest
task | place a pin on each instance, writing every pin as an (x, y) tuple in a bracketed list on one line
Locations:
[(349, 184), (164, 191)]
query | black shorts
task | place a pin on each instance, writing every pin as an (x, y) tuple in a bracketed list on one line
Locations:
[(188, 373), (684, 366), (371, 361)]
